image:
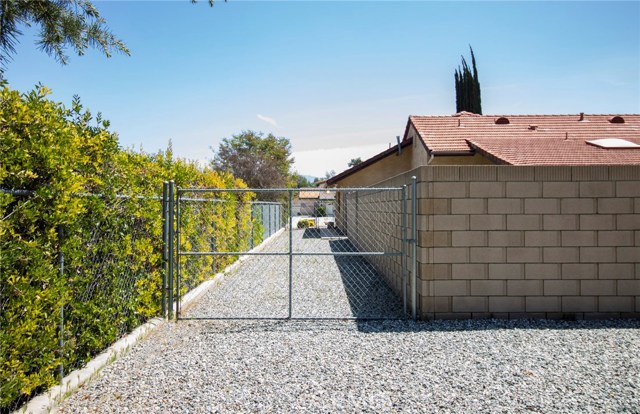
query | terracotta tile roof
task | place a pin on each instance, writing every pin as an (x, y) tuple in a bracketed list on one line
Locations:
[(530, 139), (553, 151), (309, 194)]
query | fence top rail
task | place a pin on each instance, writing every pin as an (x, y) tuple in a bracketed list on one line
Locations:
[(222, 200), (18, 192), (283, 190)]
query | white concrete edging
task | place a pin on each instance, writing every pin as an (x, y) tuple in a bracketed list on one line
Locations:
[(47, 401)]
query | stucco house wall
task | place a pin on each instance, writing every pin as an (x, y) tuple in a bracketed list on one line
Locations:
[(381, 170)]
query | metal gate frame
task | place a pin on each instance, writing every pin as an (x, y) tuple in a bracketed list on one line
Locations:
[(171, 196)]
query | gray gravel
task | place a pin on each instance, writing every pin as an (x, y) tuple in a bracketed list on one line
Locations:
[(392, 366), (199, 366), (322, 286)]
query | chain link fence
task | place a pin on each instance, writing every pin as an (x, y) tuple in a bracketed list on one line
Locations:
[(71, 290), (326, 264), (73, 284)]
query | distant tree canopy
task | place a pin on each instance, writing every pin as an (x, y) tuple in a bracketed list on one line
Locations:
[(354, 162), (468, 87), (329, 174), (301, 181), (74, 24), (261, 161)]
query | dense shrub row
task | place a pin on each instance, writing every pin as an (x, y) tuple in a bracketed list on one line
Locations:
[(98, 205)]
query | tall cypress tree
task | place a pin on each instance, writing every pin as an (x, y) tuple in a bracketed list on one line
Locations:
[(468, 87)]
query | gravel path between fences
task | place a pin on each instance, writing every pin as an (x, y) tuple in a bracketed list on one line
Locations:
[(323, 286), (393, 366), (490, 366)]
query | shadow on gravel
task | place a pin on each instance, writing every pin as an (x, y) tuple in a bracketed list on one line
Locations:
[(322, 232), (282, 326), (494, 324), (399, 326), (368, 294)]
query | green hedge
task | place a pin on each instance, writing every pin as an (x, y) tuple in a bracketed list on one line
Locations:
[(97, 204)]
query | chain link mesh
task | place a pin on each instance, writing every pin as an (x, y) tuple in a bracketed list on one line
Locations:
[(346, 257), (340, 255), (109, 265), (97, 280)]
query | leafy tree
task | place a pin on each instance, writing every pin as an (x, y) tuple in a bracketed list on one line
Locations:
[(74, 24), (354, 162), (261, 161), (468, 87), (301, 181), (329, 174)]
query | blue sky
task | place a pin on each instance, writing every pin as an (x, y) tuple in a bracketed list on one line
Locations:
[(339, 79)]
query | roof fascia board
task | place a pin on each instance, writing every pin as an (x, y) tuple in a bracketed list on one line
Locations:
[(456, 153), (406, 129), (415, 128)]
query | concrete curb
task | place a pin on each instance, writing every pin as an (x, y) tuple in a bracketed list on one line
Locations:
[(45, 403)]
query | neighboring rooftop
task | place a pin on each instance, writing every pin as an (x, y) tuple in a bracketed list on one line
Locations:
[(531, 139), (311, 194)]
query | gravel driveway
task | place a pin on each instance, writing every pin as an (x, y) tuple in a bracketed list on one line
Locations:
[(204, 366), (389, 366)]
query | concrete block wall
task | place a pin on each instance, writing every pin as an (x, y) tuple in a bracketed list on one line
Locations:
[(540, 242), (390, 231), (543, 242), (372, 220)]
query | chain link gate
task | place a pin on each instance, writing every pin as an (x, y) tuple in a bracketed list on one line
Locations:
[(338, 253)]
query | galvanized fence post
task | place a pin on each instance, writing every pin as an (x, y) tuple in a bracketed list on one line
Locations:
[(404, 248), (251, 218), (165, 246), (171, 252), (414, 237), (178, 265), (290, 254)]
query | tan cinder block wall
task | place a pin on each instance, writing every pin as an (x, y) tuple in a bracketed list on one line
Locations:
[(540, 242), (373, 222), (390, 231)]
